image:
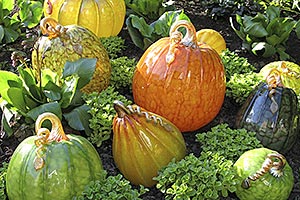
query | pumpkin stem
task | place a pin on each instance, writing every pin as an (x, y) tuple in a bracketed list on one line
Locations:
[(57, 133), (176, 37), (274, 164), (51, 27), (121, 109)]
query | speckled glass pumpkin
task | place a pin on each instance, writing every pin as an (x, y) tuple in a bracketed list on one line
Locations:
[(213, 38), (103, 17), (59, 44), (143, 143), (52, 165), (180, 79)]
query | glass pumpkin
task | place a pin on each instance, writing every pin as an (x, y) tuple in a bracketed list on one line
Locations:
[(59, 44), (271, 111), (143, 143), (180, 79), (213, 38), (52, 165), (264, 174), (288, 72), (103, 17)]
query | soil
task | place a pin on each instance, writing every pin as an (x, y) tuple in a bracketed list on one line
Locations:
[(226, 115)]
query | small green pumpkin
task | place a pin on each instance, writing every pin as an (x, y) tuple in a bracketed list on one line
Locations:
[(264, 174), (272, 114), (51, 165)]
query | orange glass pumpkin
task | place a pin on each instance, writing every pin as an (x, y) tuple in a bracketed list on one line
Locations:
[(143, 143), (103, 17), (180, 79)]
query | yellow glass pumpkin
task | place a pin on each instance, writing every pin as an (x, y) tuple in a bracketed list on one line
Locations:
[(103, 17), (213, 38), (143, 143)]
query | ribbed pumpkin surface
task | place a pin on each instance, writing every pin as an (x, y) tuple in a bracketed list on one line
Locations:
[(189, 91), (103, 17), (142, 147), (276, 130), (51, 165), (77, 42), (69, 167)]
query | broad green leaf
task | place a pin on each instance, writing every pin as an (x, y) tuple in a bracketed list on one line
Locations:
[(78, 119), (52, 107), (68, 91), (141, 25), (31, 13), (49, 76), (83, 67), (135, 35), (52, 91), (7, 4), (273, 12), (263, 48), (256, 29), (273, 40), (16, 98), (9, 79), (30, 103), (163, 24), (240, 33), (10, 35), (27, 75)]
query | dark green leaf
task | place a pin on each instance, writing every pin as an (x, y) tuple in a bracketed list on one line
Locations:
[(78, 119), (141, 25), (134, 34), (10, 35), (9, 79), (68, 91), (256, 29), (84, 68), (273, 12), (16, 98), (52, 107), (263, 48), (52, 91)]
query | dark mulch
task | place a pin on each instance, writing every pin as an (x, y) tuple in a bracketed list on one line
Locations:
[(226, 115)]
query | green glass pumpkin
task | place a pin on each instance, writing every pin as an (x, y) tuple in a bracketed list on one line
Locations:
[(264, 175), (51, 165), (272, 114)]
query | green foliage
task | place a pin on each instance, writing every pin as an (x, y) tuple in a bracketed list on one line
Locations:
[(32, 93), (230, 143), (208, 177), (113, 45), (224, 8), (17, 15), (148, 9), (240, 86), (111, 187), (234, 64), (102, 113), (143, 34), (122, 72), (3, 171), (287, 6), (266, 34)]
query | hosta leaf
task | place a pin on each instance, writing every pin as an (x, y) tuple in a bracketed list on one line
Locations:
[(52, 107), (9, 79), (52, 91), (68, 91), (263, 48), (78, 119), (83, 67), (16, 98)]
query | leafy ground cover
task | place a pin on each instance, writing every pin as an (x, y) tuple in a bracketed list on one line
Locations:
[(226, 115)]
